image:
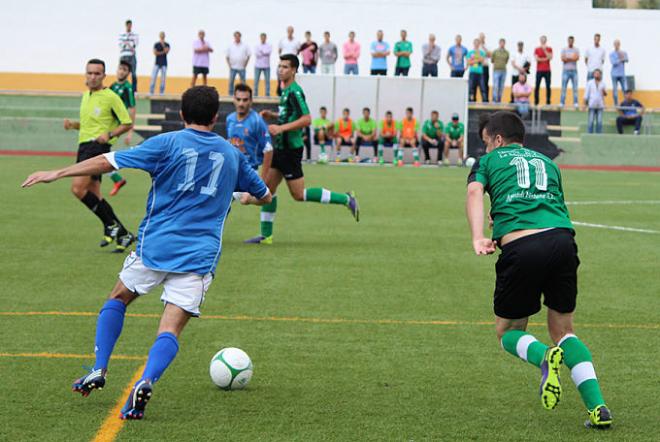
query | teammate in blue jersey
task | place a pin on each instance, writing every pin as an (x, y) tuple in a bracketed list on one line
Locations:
[(248, 132), (194, 173)]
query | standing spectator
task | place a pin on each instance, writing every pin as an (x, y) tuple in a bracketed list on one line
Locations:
[(328, 54), (500, 58), (569, 56), (618, 58), (630, 113), (201, 50), (430, 57), (262, 64), (161, 49), (594, 98), (289, 45), (402, 51), (351, 54), (310, 54), (128, 42), (543, 56), (238, 56), (475, 60), (521, 91), (594, 57), (521, 64), (486, 68), (379, 53), (456, 56)]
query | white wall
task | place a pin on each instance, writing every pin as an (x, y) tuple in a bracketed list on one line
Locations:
[(46, 36)]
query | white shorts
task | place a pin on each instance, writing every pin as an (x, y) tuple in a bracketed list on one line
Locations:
[(185, 290)]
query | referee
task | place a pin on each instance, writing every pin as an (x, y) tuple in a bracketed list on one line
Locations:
[(103, 118)]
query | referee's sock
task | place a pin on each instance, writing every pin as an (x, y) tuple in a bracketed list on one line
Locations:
[(94, 204), (524, 346), (325, 196), (578, 358)]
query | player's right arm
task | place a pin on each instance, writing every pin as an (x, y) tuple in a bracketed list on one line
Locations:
[(93, 166), (68, 124), (475, 214), (256, 192)]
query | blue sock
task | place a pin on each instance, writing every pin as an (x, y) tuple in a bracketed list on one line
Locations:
[(108, 329), (161, 355)]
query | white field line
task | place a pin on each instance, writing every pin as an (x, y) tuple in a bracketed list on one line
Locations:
[(619, 228), (610, 203)]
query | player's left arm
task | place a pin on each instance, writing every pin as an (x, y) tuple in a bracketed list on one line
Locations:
[(474, 208), (266, 146), (254, 188), (93, 166)]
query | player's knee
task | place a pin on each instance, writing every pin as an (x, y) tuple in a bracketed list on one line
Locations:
[(78, 190)]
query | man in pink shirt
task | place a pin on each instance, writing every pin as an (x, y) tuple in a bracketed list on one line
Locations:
[(351, 55), (201, 51), (521, 92)]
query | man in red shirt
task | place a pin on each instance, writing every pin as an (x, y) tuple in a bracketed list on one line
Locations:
[(543, 55)]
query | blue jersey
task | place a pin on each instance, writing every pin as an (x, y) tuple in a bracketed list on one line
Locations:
[(193, 176), (250, 136)]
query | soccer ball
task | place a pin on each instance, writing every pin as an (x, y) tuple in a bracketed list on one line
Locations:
[(323, 158), (231, 369), (469, 162)]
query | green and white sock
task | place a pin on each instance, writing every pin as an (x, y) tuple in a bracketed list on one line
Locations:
[(395, 154), (577, 357), (268, 217), (400, 154), (380, 153), (323, 149), (325, 196), (524, 346), (416, 154), (115, 177)]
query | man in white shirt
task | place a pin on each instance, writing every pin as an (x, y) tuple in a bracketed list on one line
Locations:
[(521, 64), (128, 42), (594, 99), (594, 57), (289, 45), (238, 55)]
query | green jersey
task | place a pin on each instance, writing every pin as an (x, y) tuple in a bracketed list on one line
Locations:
[(454, 131), (292, 107), (525, 190), (320, 123), (366, 127), (430, 129), (125, 92), (403, 46), (101, 112)]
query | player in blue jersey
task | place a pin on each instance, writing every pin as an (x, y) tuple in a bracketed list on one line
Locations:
[(194, 173)]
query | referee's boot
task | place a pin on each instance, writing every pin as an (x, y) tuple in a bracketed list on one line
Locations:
[(124, 239)]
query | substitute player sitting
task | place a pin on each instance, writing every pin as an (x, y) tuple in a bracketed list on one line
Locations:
[(194, 172), (409, 128), (366, 134), (432, 137), (323, 133), (454, 139), (389, 129), (344, 131), (539, 257)]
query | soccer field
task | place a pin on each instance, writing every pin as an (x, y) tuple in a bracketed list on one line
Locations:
[(380, 330)]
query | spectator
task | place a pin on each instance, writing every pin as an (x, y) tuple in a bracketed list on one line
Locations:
[(521, 91), (543, 56), (343, 133), (454, 139), (161, 49), (521, 64), (379, 52), (630, 113), (594, 98), (262, 64), (328, 54), (475, 61), (402, 51), (456, 56), (322, 132), (409, 128), (238, 56), (128, 42), (485, 66), (310, 54), (594, 57), (388, 138), (569, 56), (289, 45), (432, 137), (201, 50), (366, 134), (500, 58), (431, 57), (351, 55), (618, 58)]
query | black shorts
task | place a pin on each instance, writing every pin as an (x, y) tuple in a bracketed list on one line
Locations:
[(288, 162), (89, 150), (544, 263), (200, 70), (407, 143)]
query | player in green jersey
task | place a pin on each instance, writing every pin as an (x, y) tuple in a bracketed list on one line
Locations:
[(432, 137), (365, 134), (455, 131), (322, 132), (293, 116), (539, 256), (124, 89)]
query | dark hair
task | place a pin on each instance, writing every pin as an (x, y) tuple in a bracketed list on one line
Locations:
[(506, 124), (346, 110), (409, 109), (434, 112), (199, 105), (242, 87), (97, 61), (127, 64), (366, 109), (323, 108), (597, 35), (571, 37), (291, 59), (129, 22), (628, 91), (388, 113)]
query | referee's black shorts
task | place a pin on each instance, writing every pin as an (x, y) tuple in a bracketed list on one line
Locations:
[(288, 162), (543, 263), (89, 150)]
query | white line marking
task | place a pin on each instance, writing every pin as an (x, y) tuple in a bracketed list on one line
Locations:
[(620, 228), (597, 203)]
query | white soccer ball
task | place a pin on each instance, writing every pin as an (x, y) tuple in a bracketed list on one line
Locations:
[(469, 162), (231, 369), (323, 158)]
